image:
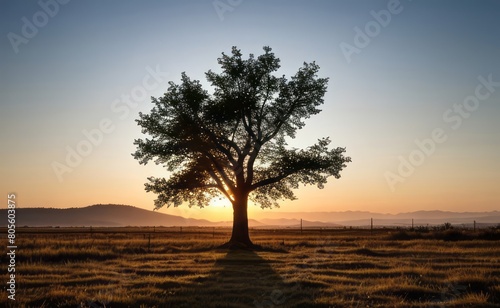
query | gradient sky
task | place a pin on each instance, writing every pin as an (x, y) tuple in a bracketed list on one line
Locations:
[(420, 63)]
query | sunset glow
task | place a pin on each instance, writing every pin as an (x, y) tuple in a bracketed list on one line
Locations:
[(414, 97)]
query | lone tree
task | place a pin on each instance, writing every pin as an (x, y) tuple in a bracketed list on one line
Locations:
[(232, 143)]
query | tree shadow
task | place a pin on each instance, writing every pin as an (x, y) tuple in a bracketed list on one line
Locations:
[(241, 278)]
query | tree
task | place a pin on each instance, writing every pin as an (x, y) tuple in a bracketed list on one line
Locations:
[(233, 142)]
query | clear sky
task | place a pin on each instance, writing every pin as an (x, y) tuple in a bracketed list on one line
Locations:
[(75, 74)]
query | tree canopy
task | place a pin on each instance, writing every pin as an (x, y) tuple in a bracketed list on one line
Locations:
[(232, 142)]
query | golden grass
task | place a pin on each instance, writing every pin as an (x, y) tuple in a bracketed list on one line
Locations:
[(344, 268)]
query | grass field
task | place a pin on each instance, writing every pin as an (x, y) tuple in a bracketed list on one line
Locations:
[(162, 267)]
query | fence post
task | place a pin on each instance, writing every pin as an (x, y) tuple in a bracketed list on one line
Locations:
[(301, 226), (371, 225)]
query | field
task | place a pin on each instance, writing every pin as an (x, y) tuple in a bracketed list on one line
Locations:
[(164, 267)]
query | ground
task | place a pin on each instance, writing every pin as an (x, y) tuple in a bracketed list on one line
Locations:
[(170, 267)]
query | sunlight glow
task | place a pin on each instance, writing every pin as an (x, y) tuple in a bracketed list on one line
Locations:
[(56, 91)]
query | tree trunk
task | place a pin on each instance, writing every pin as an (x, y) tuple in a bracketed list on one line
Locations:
[(240, 237)]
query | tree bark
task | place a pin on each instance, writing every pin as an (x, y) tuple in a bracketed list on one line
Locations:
[(240, 237)]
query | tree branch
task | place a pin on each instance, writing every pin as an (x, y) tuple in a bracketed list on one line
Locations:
[(269, 181), (219, 184)]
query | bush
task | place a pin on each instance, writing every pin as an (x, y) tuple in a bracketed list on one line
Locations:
[(422, 229), (489, 235), (452, 235), (404, 236)]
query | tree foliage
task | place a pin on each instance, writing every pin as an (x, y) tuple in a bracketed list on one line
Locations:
[(232, 142)]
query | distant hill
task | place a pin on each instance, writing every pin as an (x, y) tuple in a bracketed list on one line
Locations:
[(112, 215), (362, 218), (295, 223), (108, 215), (99, 215)]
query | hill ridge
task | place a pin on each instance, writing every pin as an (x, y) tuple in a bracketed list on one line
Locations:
[(109, 215)]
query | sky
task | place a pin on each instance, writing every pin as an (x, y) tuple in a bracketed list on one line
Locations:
[(413, 96)]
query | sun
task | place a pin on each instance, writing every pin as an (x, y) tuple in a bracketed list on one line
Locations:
[(219, 202)]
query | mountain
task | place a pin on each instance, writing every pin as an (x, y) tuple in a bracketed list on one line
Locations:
[(99, 215), (363, 218), (112, 215)]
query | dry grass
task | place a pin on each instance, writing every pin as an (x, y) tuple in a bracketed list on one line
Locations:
[(343, 268)]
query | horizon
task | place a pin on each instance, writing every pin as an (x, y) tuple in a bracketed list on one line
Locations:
[(223, 217), (415, 103), (284, 212), (120, 215)]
